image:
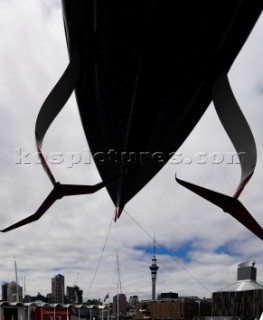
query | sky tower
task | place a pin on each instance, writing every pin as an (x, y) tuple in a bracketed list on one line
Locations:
[(154, 269)]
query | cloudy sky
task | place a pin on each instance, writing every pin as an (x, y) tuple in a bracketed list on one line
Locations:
[(198, 245)]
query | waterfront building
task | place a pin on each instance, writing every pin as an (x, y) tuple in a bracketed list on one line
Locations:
[(244, 298), (36, 310), (180, 308), (38, 297), (168, 296), (49, 298)]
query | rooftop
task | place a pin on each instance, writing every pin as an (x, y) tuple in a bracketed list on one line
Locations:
[(243, 285)]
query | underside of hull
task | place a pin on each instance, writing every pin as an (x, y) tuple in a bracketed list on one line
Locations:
[(146, 75)]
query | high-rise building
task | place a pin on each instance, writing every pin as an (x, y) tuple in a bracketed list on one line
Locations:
[(74, 294), (70, 294), (58, 288), (12, 292), (154, 268), (133, 300), (243, 298), (119, 304), (4, 291)]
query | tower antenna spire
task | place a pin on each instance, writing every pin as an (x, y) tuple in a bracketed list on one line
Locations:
[(154, 244), (154, 268)]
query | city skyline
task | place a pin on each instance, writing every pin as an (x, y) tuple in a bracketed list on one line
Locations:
[(197, 245)]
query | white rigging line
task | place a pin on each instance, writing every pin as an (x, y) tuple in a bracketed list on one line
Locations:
[(96, 271), (168, 253)]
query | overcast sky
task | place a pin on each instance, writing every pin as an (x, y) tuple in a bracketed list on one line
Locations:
[(201, 241)]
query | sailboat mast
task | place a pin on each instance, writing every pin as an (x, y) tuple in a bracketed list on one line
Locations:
[(119, 290), (17, 291), (119, 274)]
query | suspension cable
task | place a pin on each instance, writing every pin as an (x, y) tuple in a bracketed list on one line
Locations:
[(168, 253)]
